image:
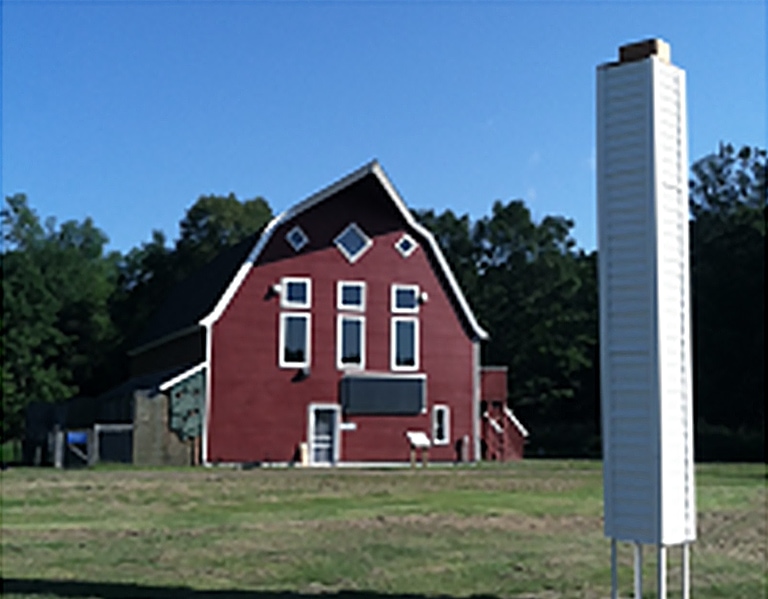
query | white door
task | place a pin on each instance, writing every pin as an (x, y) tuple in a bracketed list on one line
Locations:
[(323, 434)]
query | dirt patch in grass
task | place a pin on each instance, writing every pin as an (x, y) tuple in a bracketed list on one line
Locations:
[(739, 535), (491, 524)]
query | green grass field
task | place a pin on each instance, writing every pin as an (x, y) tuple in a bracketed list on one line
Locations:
[(528, 530)]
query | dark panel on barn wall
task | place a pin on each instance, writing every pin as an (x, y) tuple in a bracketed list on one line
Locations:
[(184, 351), (393, 396)]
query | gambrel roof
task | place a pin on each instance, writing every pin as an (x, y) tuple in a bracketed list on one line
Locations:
[(233, 266)]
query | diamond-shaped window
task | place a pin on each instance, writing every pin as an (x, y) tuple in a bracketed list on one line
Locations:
[(406, 245), (353, 242), (297, 238)]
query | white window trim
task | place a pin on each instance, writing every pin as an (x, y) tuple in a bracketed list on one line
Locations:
[(304, 238), (414, 245), (393, 299), (339, 296), (286, 303), (447, 424), (281, 342), (339, 332), (368, 243), (393, 344)]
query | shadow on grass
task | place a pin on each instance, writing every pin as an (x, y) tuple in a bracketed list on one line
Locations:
[(116, 590)]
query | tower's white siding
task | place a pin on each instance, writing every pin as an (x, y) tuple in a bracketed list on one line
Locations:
[(644, 302)]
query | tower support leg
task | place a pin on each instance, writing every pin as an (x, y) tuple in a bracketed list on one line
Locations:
[(614, 577), (661, 572), (686, 571)]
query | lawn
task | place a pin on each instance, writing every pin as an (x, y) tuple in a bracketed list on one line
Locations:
[(528, 530)]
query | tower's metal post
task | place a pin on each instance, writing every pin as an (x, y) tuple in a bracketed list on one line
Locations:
[(686, 571), (614, 576), (638, 571), (661, 572)]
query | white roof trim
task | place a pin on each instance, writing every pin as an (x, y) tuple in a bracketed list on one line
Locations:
[(387, 184), (374, 168), (516, 422), (180, 377)]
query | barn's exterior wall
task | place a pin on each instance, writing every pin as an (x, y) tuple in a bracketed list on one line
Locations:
[(493, 380), (184, 350), (259, 412)]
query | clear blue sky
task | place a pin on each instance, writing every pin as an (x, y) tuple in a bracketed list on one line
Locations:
[(128, 111)]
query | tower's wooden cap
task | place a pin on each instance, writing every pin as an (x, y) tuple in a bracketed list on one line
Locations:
[(644, 49)]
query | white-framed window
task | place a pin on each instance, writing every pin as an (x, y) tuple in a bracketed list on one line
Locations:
[(353, 242), (405, 298), (350, 341), (296, 293), (441, 425), (295, 340), (350, 295), (297, 238), (404, 348), (406, 245)]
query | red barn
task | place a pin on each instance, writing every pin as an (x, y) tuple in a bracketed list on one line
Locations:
[(325, 338)]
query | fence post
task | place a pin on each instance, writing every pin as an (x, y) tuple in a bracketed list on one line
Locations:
[(58, 447), (93, 445)]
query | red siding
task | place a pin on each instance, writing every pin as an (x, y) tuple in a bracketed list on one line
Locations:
[(257, 412), (493, 381), (503, 442)]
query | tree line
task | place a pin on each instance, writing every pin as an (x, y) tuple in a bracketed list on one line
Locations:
[(71, 309)]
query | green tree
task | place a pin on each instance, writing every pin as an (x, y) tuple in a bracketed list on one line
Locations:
[(56, 327), (214, 223), (454, 236), (728, 211), (148, 273), (536, 294), (537, 304)]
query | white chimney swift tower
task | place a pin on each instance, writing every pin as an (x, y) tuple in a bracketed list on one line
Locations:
[(645, 330)]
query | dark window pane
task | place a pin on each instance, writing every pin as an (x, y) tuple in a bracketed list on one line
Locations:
[(295, 339), (324, 422), (352, 241), (405, 245), (405, 298), (440, 424), (405, 343), (296, 292), (352, 295), (351, 342)]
